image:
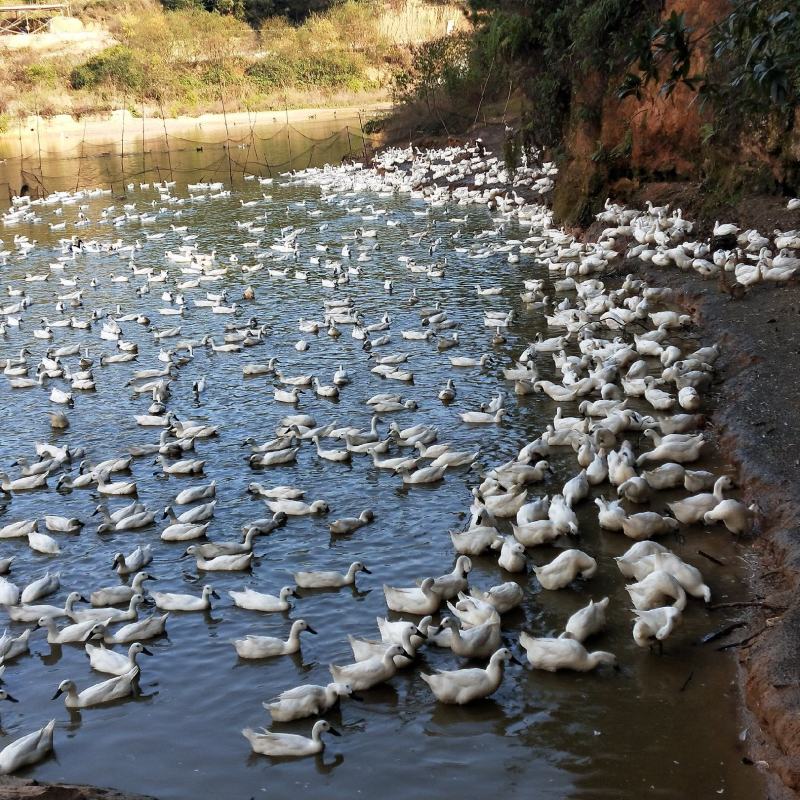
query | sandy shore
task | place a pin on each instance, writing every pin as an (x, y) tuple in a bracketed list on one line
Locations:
[(122, 127)]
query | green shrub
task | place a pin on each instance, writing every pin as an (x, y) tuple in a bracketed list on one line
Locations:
[(115, 66), (41, 74), (273, 72), (326, 71)]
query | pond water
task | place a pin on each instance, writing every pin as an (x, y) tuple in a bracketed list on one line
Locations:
[(663, 726)]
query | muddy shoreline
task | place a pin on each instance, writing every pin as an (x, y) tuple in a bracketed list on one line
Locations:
[(27, 789), (754, 420)]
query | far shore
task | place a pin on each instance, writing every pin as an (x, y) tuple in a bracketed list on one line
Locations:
[(120, 128)]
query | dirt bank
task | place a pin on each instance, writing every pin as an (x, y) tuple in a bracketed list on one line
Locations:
[(756, 423), (27, 789), (755, 420)]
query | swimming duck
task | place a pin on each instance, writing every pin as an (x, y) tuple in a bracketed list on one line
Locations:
[(297, 508), (348, 525), (134, 561), (646, 524), (420, 600), (268, 646), (449, 585), (47, 584), (98, 693), (170, 601), (328, 579), (77, 632), (475, 540), (109, 614), (478, 641), (610, 514), (308, 700), (257, 601), (689, 577), (114, 595), (27, 750), (639, 550), (143, 629), (221, 563), (104, 660), (368, 673), (465, 685), (555, 654), (403, 633), (289, 744)]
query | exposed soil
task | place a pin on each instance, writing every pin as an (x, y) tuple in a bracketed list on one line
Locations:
[(757, 425), (27, 789)]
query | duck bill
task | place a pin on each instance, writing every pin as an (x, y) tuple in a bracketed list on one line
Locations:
[(368, 571), (310, 629), (57, 694), (147, 652), (334, 731)]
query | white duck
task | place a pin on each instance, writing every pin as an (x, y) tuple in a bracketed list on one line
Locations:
[(172, 601), (555, 654), (308, 700), (104, 660), (258, 601), (564, 568), (268, 646), (462, 686), (27, 750), (98, 693), (587, 621), (653, 590), (365, 674), (420, 600), (289, 744), (329, 579)]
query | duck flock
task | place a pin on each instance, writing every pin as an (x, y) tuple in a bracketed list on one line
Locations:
[(613, 371)]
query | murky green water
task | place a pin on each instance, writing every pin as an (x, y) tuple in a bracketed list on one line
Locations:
[(664, 726)]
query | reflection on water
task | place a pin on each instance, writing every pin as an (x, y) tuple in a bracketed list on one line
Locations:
[(662, 726), (195, 154)]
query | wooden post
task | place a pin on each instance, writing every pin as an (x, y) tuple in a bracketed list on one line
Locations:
[(227, 136), (288, 132), (80, 159), (144, 152), (363, 139), (39, 148), (21, 154), (166, 140), (122, 143)]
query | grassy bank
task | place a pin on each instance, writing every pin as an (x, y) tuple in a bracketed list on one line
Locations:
[(139, 56)]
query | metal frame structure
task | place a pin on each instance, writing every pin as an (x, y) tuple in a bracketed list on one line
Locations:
[(30, 17)]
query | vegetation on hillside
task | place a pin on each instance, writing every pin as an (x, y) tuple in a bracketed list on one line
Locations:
[(185, 59), (567, 67)]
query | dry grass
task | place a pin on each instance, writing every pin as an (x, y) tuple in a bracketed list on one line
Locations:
[(191, 62)]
